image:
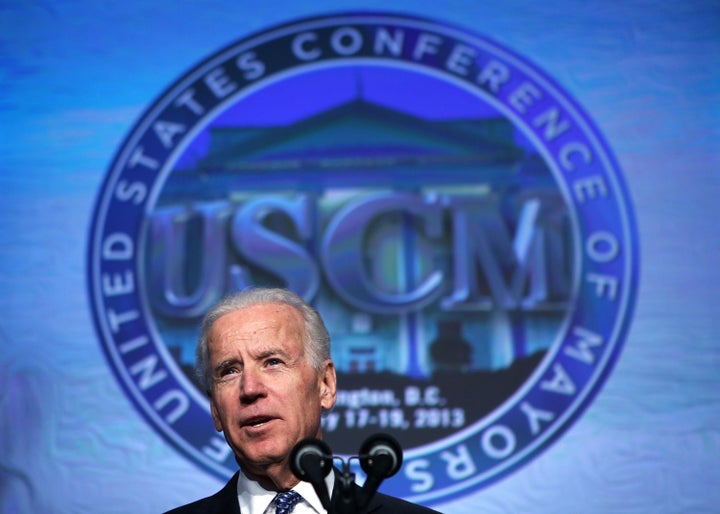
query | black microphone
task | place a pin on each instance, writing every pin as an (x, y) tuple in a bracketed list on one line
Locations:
[(380, 458), (311, 460)]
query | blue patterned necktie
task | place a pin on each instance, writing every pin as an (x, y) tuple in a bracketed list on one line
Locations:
[(284, 502)]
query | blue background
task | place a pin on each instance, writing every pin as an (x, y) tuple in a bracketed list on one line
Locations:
[(76, 75)]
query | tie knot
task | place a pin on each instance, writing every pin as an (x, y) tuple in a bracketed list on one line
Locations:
[(285, 501)]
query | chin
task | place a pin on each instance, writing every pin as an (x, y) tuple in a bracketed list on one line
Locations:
[(269, 454)]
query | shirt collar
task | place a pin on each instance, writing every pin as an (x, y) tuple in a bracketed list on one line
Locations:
[(255, 499)]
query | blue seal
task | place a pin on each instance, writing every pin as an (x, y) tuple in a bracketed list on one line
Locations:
[(456, 217)]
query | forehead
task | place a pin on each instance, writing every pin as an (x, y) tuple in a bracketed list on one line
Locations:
[(269, 323)]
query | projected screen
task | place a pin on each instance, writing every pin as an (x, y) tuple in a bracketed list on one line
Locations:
[(502, 213)]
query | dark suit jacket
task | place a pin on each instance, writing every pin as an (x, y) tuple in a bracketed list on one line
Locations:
[(225, 502)]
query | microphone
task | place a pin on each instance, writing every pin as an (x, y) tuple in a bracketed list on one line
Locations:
[(380, 458), (311, 460)]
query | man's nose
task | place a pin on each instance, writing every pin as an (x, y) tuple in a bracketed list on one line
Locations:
[(252, 385)]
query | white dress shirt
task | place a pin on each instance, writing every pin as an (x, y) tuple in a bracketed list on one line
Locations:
[(255, 499)]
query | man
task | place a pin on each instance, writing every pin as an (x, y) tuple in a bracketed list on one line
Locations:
[(263, 358)]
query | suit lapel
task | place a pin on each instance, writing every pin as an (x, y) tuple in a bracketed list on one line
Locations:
[(226, 500)]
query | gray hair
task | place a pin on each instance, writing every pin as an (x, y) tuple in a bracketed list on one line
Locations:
[(317, 338)]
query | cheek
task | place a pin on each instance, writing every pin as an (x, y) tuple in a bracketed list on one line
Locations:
[(220, 407), (313, 401), (215, 415)]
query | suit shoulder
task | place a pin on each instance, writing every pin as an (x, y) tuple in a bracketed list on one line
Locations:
[(196, 507), (222, 502)]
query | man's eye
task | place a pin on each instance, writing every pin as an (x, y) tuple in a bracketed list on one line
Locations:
[(274, 362)]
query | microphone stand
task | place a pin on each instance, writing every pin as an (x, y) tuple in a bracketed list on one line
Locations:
[(380, 457), (348, 497), (344, 500)]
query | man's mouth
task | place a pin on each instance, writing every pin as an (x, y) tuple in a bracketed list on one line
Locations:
[(256, 421)]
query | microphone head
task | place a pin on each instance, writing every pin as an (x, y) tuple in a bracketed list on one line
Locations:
[(308, 455), (381, 449)]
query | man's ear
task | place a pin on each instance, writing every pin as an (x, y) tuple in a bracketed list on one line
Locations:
[(328, 385)]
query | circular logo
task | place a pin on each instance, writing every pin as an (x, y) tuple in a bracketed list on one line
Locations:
[(453, 214)]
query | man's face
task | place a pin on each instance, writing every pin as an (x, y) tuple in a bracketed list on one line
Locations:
[(265, 394)]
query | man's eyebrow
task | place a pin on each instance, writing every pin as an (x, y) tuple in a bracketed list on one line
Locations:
[(226, 364), (272, 352)]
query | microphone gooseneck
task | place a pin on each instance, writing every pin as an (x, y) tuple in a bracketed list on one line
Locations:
[(380, 458)]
